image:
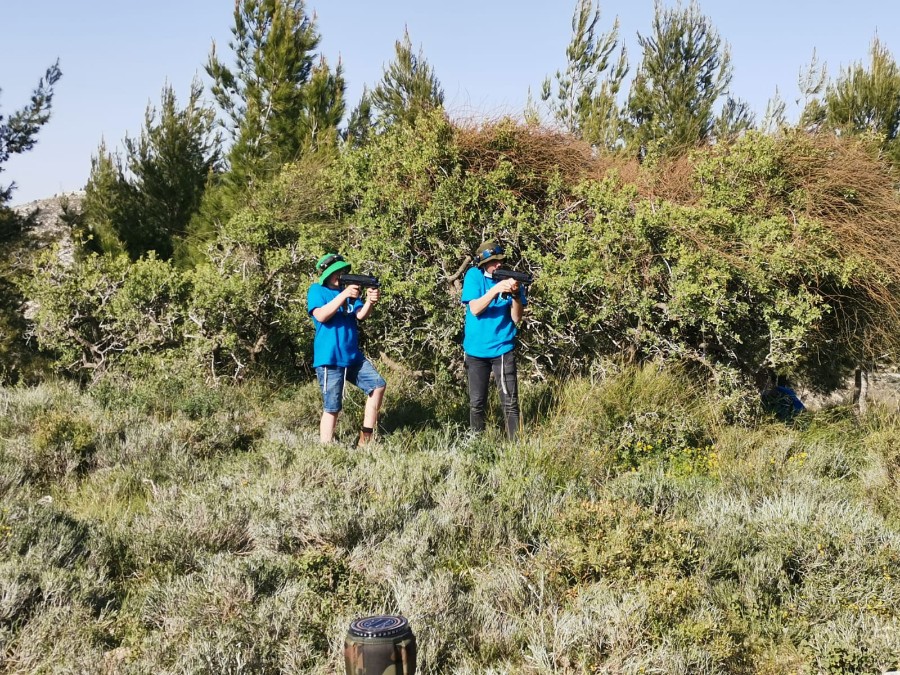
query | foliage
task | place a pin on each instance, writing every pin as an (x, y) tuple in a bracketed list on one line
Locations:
[(146, 200), (107, 207), (359, 126), (173, 548), (279, 102), (240, 308), (868, 100), (20, 360), (635, 416), (759, 259), (106, 307), (248, 306), (584, 105), (729, 284), (18, 133), (170, 165), (63, 444), (408, 88), (684, 71)]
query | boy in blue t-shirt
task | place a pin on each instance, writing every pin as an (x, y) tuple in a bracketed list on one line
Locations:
[(336, 355), (493, 308)]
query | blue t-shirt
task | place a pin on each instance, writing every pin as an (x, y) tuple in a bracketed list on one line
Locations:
[(337, 340), (493, 332)]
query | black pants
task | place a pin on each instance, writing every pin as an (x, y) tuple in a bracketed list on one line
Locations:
[(479, 372)]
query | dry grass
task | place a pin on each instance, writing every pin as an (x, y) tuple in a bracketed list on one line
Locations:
[(852, 191), (532, 150), (672, 179), (849, 188), (507, 558)]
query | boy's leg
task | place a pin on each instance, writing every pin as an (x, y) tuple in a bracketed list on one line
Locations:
[(508, 383), (367, 378), (373, 406), (326, 426), (331, 384), (478, 372)]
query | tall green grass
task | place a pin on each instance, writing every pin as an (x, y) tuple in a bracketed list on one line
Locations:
[(164, 525)]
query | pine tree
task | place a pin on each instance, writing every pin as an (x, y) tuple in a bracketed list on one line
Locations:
[(408, 88), (868, 100), (734, 119), (147, 200), (324, 96), (170, 165), (685, 70), (108, 206), (775, 117), (585, 100), (277, 102), (18, 134), (359, 126), (812, 81)]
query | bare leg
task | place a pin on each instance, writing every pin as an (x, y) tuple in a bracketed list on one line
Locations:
[(370, 417), (373, 405), (326, 426)]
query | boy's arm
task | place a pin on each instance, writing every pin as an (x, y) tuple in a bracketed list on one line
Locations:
[(478, 305), (372, 297), (517, 309), (324, 313)]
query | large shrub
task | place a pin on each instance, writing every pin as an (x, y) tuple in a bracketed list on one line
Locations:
[(743, 272), (768, 252), (241, 308), (104, 307), (248, 306)]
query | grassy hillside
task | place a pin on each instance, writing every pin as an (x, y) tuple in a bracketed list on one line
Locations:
[(159, 525)]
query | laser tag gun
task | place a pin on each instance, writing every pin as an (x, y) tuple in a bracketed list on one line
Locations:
[(522, 277), (361, 280)]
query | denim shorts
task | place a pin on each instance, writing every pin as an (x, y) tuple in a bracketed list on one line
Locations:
[(332, 378)]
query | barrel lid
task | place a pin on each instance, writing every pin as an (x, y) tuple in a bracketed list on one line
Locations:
[(381, 626)]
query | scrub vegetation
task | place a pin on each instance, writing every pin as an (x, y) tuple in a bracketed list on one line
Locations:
[(162, 525)]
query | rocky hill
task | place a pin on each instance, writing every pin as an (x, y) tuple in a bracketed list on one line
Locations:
[(50, 226)]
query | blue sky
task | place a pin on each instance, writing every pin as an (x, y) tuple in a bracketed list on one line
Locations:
[(116, 56)]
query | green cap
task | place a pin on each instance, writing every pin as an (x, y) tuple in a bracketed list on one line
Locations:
[(328, 264), (489, 250)]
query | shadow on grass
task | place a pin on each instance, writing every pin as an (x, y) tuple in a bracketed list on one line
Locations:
[(415, 414), (451, 407), (538, 401)]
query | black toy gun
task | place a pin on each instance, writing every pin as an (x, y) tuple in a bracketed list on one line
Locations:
[(361, 280), (522, 277)]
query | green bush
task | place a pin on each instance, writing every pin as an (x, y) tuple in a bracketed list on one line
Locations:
[(64, 444), (102, 308), (756, 263), (726, 284)]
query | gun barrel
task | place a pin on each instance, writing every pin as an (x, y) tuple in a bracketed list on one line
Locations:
[(364, 280)]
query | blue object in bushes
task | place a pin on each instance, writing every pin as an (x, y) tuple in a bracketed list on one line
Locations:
[(783, 401)]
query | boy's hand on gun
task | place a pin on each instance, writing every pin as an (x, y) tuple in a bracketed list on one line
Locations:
[(373, 295), (507, 286), (352, 291)]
